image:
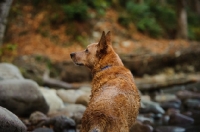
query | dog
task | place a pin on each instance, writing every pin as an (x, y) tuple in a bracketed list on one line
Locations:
[(115, 99)]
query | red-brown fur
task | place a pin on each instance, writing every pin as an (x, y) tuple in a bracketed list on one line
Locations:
[(115, 100)]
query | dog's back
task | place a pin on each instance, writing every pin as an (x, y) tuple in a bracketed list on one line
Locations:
[(114, 102)]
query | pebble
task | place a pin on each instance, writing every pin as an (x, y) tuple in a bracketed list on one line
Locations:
[(180, 120), (169, 129), (53, 100), (165, 98), (70, 96), (151, 106), (185, 94)]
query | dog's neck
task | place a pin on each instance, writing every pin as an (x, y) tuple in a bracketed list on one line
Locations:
[(105, 67), (100, 69)]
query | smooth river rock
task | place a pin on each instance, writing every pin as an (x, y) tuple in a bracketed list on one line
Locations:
[(22, 97), (9, 122)]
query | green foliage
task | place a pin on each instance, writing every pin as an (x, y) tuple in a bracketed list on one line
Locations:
[(99, 5), (193, 26), (150, 26), (156, 20), (9, 50), (76, 11), (166, 18), (194, 33), (144, 19)]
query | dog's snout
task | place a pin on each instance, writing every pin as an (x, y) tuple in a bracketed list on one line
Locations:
[(72, 55)]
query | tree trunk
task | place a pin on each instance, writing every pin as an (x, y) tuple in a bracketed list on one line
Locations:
[(182, 19), (4, 10), (197, 6)]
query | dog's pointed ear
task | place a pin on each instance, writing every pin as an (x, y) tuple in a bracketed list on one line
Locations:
[(102, 41), (108, 38), (102, 45)]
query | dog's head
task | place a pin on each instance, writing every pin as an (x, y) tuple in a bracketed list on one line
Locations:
[(97, 55)]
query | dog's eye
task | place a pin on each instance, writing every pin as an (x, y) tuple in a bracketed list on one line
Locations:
[(86, 50)]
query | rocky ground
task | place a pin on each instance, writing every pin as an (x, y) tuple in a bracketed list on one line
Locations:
[(27, 106)]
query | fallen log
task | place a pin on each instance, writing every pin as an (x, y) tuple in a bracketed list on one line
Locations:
[(157, 82)]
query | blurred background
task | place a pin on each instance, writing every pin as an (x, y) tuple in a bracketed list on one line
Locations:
[(158, 40)]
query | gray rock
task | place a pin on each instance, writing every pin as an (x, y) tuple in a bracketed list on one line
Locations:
[(173, 90), (22, 97), (170, 129), (193, 129), (43, 130), (193, 104), (74, 111), (53, 100), (151, 106), (193, 86), (83, 99), (9, 71), (71, 73), (142, 118), (10, 122), (185, 94), (176, 104), (172, 111), (37, 117), (69, 96), (180, 120), (61, 124), (165, 97), (196, 116)]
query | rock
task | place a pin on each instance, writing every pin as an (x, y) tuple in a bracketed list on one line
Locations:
[(139, 127), (173, 89), (22, 97), (142, 118), (193, 129), (176, 104), (151, 106), (33, 66), (145, 98), (37, 117), (192, 104), (165, 119), (61, 124), (180, 120), (165, 97), (43, 130), (185, 94), (9, 71), (169, 129), (72, 73), (53, 100), (86, 89), (83, 99), (195, 87), (10, 122), (69, 96), (172, 111), (74, 111), (196, 116)]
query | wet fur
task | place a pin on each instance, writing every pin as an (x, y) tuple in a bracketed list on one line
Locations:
[(115, 100)]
